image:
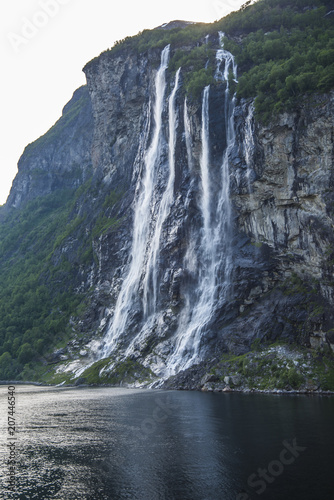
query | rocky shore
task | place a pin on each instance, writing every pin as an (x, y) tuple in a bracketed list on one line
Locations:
[(276, 369)]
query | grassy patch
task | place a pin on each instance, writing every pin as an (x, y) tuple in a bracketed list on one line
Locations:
[(127, 371), (278, 366), (324, 370)]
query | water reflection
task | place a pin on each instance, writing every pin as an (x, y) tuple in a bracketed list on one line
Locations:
[(103, 443)]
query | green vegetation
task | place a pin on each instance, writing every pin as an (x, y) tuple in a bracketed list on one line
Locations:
[(126, 371), (48, 375), (149, 40), (296, 285), (278, 366), (311, 300), (198, 67), (33, 316), (197, 61), (296, 57), (324, 370), (284, 49), (103, 224), (38, 281)]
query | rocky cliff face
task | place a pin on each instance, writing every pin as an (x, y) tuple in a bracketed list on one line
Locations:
[(61, 158), (223, 228), (280, 234), (289, 209)]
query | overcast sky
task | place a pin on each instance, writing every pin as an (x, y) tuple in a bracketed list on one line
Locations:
[(46, 43)]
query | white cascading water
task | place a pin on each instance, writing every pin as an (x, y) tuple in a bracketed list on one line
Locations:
[(223, 226), (150, 284), (187, 134), (223, 55), (249, 144), (205, 172), (211, 260), (150, 280), (224, 208), (215, 253), (130, 287), (195, 315)]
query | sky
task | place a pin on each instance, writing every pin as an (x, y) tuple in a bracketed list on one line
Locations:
[(46, 43)]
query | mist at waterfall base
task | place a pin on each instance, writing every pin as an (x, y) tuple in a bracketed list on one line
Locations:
[(117, 444)]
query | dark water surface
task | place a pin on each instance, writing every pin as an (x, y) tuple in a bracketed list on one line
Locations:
[(104, 443)]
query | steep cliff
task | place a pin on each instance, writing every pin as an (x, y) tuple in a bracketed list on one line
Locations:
[(194, 226), (61, 158)]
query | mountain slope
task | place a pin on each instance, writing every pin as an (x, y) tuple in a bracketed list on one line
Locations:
[(174, 215)]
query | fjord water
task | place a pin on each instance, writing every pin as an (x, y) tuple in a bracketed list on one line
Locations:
[(113, 443)]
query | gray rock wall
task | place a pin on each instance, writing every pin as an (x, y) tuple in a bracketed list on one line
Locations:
[(59, 159), (282, 201)]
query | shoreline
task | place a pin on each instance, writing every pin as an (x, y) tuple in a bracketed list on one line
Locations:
[(226, 390)]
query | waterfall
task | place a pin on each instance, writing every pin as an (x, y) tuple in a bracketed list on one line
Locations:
[(187, 134), (248, 147), (249, 144), (223, 55), (151, 273), (215, 252), (205, 166), (130, 286), (223, 227), (208, 257), (195, 316)]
